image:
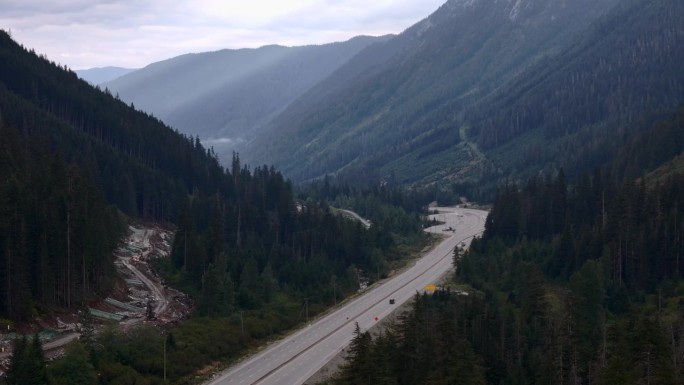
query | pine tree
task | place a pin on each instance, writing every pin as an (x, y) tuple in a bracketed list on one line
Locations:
[(587, 311), (18, 368), (383, 359), (27, 365), (86, 328), (217, 297), (36, 362), (357, 369)]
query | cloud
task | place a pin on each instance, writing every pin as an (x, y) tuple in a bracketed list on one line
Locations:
[(133, 33)]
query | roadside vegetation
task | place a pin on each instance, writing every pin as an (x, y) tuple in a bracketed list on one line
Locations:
[(572, 284), (256, 258), (255, 270)]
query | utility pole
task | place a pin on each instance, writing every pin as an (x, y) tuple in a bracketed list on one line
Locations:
[(242, 323), (334, 292), (306, 309), (165, 358)]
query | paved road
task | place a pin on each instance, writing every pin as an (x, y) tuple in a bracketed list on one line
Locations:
[(296, 358)]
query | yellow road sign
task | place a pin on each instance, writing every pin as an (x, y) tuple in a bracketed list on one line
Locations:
[(430, 287)]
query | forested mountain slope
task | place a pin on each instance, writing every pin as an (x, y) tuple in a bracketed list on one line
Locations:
[(57, 231), (402, 113), (77, 163), (654, 151), (145, 168), (74, 159), (222, 96), (572, 110), (101, 75), (571, 283)]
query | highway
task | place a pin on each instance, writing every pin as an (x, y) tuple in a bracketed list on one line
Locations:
[(297, 357)]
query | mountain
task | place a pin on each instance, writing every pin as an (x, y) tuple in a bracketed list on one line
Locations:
[(402, 113), (101, 75), (655, 151), (221, 96), (576, 109), (76, 162), (479, 90)]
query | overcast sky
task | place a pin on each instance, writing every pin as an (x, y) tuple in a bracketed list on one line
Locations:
[(133, 33)]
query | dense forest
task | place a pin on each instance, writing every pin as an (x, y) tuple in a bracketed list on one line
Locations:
[(571, 283), (425, 347), (569, 109), (402, 112), (574, 285), (633, 68), (57, 231), (75, 163), (265, 245), (74, 155), (144, 168), (264, 264), (595, 271), (577, 278), (258, 258)]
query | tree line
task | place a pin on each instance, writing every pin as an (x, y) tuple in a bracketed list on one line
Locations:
[(580, 284), (426, 346), (265, 246), (256, 266), (57, 231), (574, 281), (627, 64), (77, 164), (143, 167), (570, 284)]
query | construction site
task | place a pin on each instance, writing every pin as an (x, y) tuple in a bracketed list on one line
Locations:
[(139, 296)]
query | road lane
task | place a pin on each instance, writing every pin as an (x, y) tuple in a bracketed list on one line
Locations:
[(295, 358)]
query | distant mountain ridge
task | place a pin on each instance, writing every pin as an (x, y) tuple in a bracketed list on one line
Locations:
[(391, 118), (221, 96), (101, 75), (479, 90), (577, 108)]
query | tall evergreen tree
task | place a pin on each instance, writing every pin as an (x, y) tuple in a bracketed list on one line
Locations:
[(27, 365), (358, 368)]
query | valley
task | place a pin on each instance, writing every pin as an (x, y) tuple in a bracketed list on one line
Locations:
[(295, 358), (244, 215)]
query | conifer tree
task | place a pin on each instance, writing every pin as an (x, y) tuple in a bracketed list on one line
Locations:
[(357, 368), (36, 360), (27, 365), (17, 371)]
